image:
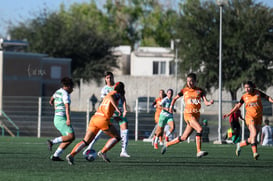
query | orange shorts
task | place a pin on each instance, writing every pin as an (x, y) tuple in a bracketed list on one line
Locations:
[(157, 113), (188, 117), (253, 121), (98, 123)]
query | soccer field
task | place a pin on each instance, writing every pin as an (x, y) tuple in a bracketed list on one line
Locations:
[(24, 158)]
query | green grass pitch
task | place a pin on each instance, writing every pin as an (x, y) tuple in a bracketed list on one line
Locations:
[(24, 158)]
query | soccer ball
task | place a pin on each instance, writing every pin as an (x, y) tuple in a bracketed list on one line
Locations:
[(90, 155)]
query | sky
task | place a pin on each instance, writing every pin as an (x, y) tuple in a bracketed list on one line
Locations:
[(15, 11)]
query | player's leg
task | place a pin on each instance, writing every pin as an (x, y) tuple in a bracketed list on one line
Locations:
[(171, 128), (198, 128), (160, 129), (66, 139), (158, 134), (188, 130), (89, 136), (124, 134), (115, 138), (66, 142), (90, 146)]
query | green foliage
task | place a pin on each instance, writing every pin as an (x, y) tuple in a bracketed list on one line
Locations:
[(80, 33), (247, 43)]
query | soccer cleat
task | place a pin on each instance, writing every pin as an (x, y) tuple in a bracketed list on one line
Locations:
[(256, 156), (201, 154), (238, 149), (103, 156), (124, 154), (70, 159), (54, 158), (50, 144), (164, 148), (156, 146)]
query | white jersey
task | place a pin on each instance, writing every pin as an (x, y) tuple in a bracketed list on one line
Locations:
[(267, 132), (166, 103), (61, 97), (105, 90)]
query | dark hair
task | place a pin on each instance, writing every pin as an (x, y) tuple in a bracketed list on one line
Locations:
[(66, 81), (192, 75), (119, 87), (170, 90), (250, 83), (108, 73)]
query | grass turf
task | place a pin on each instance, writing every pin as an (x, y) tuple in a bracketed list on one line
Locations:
[(24, 158)]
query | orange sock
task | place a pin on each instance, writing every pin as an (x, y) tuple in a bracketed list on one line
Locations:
[(174, 141), (78, 148), (254, 148), (198, 143)]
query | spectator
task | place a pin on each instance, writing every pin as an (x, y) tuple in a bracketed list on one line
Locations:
[(93, 100), (267, 136), (205, 133)]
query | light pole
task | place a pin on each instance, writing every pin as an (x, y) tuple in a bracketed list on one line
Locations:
[(176, 62), (220, 3)]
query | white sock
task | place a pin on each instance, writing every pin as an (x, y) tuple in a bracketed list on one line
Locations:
[(57, 140), (156, 140), (124, 139), (90, 146), (58, 152)]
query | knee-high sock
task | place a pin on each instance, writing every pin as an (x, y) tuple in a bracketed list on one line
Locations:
[(124, 139), (58, 152), (78, 148), (254, 148), (198, 143), (110, 143), (57, 140), (90, 146)]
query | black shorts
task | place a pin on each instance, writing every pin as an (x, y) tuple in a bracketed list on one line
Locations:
[(235, 125)]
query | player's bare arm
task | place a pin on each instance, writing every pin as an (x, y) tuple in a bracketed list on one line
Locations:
[(207, 103), (113, 102), (67, 112), (235, 108), (51, 101), (173, 102)]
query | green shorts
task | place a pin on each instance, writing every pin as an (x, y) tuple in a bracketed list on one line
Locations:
[(163, 120), (121, 119), (60, 124)]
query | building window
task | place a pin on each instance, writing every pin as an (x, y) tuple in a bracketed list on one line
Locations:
[(159, 68), (172, 68)]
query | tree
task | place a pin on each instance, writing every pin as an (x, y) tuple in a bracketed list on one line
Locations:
[(80, 33), (142, 23), (247, 43)]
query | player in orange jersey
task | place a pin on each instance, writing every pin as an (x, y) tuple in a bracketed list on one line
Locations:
[(101, 121), (253, 117), (158, 109), (192, 98)]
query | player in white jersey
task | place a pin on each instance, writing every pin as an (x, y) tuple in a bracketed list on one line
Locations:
[(62, 120), (267, 134), (123, 122), (165, 117)]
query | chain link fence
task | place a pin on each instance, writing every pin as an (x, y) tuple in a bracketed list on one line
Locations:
[(34, 117)]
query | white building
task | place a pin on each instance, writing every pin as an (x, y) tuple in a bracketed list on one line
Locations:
[(149, 61)]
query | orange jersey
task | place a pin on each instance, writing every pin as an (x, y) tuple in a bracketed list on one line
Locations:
[(106, 109), (158, 109), (192, 99), (253, 104)]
